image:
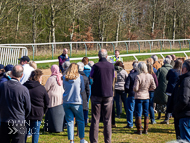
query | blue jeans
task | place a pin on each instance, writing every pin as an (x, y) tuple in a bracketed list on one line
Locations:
[(184, 128), (85, 113), (123, 95), (71, 111), (151, 106), (89, 99), (33, 126), (141, 105), (130, 110)]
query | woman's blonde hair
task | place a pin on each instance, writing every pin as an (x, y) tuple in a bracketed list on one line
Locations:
[(150, 68), (150, 61), (72, 72), (33, 64)]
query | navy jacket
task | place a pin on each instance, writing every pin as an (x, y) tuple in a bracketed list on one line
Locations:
[(172, 77), (4, 78), (103, 75), (15, 104), (130, 82)]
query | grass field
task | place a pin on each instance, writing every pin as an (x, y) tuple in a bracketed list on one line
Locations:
[(157, 133)]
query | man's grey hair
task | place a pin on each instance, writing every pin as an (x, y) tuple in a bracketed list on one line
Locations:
[(142, 68), (102, 53), (135, 66), (167, 61), (81, 66), (17, 71), (154, 57), (187, 64), (65, 65), (90, 63)]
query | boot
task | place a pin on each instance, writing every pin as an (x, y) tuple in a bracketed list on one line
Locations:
[(146, 121), (138, 125)]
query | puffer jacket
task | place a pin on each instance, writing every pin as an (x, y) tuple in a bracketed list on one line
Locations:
[(157, 65), (160, 96), (143, 84), (121, 77)]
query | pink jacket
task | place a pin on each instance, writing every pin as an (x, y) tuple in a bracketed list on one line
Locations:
[(143, 84)]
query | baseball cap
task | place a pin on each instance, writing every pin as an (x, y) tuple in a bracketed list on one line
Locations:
[(8, 68), (1, 67), (25, 58)]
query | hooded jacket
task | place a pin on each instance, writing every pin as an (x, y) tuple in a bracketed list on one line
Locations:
[(87, 70), (85, 94), (121, 77), (39, 100), (73, 90)]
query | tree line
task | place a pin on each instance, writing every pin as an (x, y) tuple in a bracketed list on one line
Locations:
[(36, 21)]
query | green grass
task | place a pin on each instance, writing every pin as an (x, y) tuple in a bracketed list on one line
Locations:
[(158, 133)]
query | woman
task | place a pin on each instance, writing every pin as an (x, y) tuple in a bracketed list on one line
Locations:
[(119, 86), (73, 85), (151, 93), (144, 82), (172, 78), (39, 104), (1, 71), (55, 114)]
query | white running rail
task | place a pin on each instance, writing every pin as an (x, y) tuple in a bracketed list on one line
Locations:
[(10, 54)]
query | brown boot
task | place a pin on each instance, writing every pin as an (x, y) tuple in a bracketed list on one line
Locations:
[(138, 125), (146, 121)]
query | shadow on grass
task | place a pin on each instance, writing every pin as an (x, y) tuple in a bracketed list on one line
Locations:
[(156, 130)]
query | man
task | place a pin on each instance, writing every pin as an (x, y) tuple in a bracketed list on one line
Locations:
[(181, 98), (130, 100), (62, 58), (116, 57), (15, 106), (27, 69), (102, 74), (156, 64)]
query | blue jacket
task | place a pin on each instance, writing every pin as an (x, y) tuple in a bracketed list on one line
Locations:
[(87, 70), (4, 78), (155, 70), (172, 77)]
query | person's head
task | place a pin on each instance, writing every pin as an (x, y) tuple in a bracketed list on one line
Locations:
[(120, 64), (90, 63), (135, 66), (85, 60), (150, 61), (65, 51), (24, 60), (8, 68), (102, 53), (33, 64), (155, 58), (17, 72), (142, 68), (186, 66), (2, 69), (168, 56), (66, 64), (150, 68), (81, 66), (178, 64), (167, 61), (117, 53), (173, 57), (72, 72), (54, 69), (36, 75)]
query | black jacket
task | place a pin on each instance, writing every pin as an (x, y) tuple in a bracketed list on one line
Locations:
[(39, 100), (15, 104), (180, 99), (130, 82), (85, 94)]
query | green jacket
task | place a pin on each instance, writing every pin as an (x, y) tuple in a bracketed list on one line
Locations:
[(160, 96)]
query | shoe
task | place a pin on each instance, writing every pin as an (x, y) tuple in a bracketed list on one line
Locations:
[(114, 126), (72, 142), (165, 122), (154, 122), (83, 141), (128, 127), (29, 135)]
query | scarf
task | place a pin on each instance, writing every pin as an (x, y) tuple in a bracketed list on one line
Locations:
[(55, 71)]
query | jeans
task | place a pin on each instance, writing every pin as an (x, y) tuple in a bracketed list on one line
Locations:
[(130, 110), (151, 106), (123, 95), (99, 104), (33, 126), (184, 128), (142, 105), (89, 99), (71, 111), (85, 112)]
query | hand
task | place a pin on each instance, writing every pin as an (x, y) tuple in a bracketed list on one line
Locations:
[(66, 56)]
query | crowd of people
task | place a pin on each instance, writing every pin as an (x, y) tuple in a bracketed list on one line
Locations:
[(150, 87)]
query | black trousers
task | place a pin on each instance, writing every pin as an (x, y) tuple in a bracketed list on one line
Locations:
[(14, 133)]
